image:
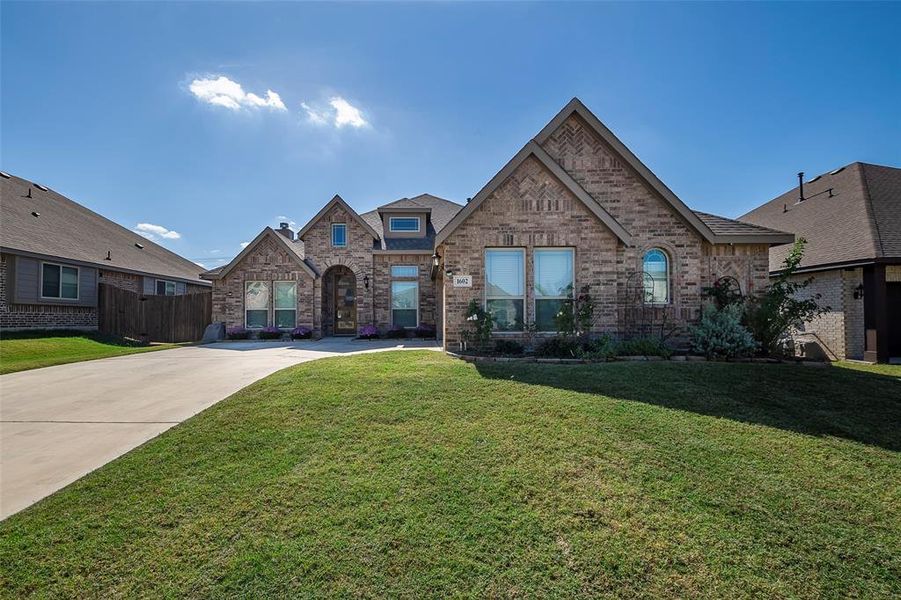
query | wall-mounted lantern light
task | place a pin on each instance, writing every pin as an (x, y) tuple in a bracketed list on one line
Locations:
[(858, 292), (366, 281), (436, 260)]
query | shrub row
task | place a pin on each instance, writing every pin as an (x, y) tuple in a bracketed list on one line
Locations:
[(269, 333), (371, 332)]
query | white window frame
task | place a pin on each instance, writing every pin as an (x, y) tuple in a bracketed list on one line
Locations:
[(416, 307), (525, 287), (60, 297), (268, 304), (535, 297), (334, 227), (167, 282), (666, 255), (393, 230), (275, 308)]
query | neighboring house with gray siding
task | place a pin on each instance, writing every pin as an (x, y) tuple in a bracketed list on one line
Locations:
[(851, 219), (573, 209), (55, 252)]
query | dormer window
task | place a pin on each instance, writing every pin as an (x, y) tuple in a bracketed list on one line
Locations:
[(403, 224), (339, 235)]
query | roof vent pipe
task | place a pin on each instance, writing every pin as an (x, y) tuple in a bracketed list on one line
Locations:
[(801, 186)]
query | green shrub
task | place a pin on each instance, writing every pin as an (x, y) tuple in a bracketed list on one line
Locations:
[(772, 315), (480, 323), (559, 347), (509, 347), (601, 348), (643, 346), (720, 333)]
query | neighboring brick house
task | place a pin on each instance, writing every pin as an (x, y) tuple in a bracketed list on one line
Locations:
[(55, 252), (851, 219), (573, 209)]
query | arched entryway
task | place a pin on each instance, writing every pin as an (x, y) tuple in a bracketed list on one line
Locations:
[(339, 301)]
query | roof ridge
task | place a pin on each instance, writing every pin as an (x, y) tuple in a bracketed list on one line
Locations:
[(871, 215)]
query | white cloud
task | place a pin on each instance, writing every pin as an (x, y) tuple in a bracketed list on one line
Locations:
[(244, 244), (346, 113), (222, 91), (200, 264), (340, 113), (154, 232)]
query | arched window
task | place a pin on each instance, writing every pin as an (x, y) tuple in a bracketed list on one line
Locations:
[(656, 280)]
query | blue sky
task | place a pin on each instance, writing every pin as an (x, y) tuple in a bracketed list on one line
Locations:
[(160, 113)]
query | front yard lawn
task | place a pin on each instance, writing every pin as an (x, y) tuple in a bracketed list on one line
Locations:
[(414, 474), (22, 351)]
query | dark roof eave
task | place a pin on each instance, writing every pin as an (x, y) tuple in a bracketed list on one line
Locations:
[(862, 262), (773, 239), (102, 265)]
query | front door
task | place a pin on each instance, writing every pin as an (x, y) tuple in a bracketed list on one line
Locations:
[(345, 304)]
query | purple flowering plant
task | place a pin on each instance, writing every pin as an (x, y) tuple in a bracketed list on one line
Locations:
[(301, 333), (369, 332), (237, 333)]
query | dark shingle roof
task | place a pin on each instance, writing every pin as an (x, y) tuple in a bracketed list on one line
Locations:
[(859, 221), (68, 230), (441, 212)]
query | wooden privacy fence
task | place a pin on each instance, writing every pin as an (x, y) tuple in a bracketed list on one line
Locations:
[(155, 318)]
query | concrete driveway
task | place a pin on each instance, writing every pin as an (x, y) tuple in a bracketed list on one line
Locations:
[(59, 423)]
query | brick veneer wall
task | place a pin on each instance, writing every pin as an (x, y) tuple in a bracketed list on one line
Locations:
[(841, 329), (535, 209), (42, 316), (267, 262), (126, 281), (382, 264), (357, 256)]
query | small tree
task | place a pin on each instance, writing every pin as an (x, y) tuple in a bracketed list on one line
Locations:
[(771, 315), (720, 333), (576, 314), (480, 323)]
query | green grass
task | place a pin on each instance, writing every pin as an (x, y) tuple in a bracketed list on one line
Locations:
[(32, 350), (413, 474)]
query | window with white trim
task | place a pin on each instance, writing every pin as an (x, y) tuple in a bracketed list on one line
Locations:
[(656, 276), (553, 284), (256, 304), (285, 304), (339, 235), (403, 224), (58, 281), (505, 287), (165, 288)]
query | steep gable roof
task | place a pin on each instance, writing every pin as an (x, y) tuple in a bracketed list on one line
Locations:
[(70, 231), (337, 200), (575, 106), (849, 215), (533, 149), (295, 251), (719, 234)]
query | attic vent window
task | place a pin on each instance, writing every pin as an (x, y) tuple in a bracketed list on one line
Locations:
[(839, 170), (41, 187), (139, 246)]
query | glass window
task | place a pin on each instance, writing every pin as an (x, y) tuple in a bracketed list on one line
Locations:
[(285, 304), (554, 283), (256, 303), (407, 224), (405, 303), (165, 288), (505, 288), (58, 281), (656, 276), (339, 235), (404, 271)]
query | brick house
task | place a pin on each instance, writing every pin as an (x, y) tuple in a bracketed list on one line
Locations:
[(851, 219), (573, 209), (55, 252)]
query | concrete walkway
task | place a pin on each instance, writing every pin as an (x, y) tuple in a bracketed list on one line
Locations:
[(59, 423)]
